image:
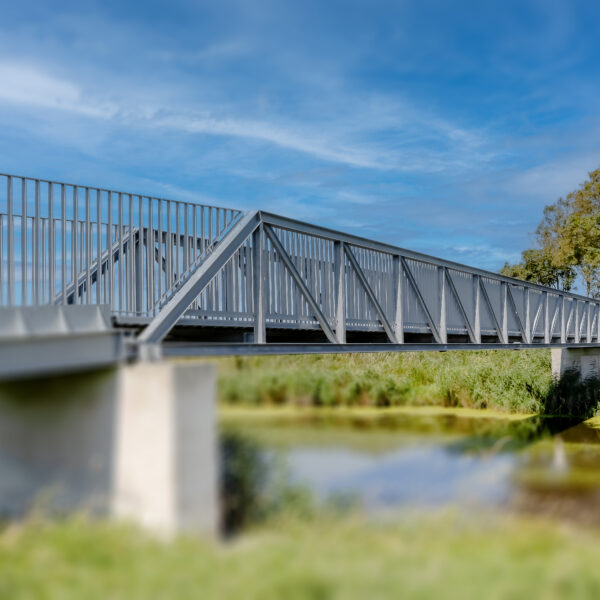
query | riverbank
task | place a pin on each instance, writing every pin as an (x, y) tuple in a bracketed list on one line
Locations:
[(441, 556), (508, 382)]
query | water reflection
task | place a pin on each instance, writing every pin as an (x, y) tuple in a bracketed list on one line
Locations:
[(543, 465)]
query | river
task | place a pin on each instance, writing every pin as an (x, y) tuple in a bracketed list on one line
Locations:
[(403, 460)]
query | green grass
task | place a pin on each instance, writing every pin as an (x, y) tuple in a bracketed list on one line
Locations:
[(500, 380), (339, 558)]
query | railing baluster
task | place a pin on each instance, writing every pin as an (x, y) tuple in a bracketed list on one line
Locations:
[(1, 258), (120, 234), (177, 243), (10, 242), (160, 249), (63, 240), (74, 241), (98, 247), (43, 259), (37, 250), (169, 249), (186, 238), (23, 241), (150, 259), (88, 249), (130, 263)]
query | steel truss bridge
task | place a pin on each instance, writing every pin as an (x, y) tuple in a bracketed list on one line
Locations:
[(90, 275)]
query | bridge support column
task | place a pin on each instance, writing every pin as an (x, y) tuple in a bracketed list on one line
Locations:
[(584, 360), (137, 442)]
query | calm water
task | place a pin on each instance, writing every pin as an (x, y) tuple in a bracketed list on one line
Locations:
[(405, 461)]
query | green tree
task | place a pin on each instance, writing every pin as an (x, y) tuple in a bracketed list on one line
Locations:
[(569, 232), (538, 266)]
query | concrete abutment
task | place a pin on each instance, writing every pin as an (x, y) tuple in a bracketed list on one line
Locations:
[(584, 360), (135, 442)]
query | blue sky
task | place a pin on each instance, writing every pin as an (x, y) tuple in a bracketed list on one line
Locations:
[(443, 127)]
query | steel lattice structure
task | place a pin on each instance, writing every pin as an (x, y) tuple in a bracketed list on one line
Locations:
[(204, 279)]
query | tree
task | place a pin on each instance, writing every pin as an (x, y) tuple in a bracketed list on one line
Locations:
[(569, 232), (537, 266)]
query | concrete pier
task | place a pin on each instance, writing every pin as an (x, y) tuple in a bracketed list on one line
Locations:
[(584, 360), (136, 442)]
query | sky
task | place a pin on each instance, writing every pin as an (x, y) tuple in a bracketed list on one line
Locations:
[(443, 127)]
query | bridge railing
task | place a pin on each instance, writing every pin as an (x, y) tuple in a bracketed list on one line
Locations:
[(63, 243)]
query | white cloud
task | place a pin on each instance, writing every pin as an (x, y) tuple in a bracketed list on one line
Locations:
[(347, 136), (24, 84), (555, 178)]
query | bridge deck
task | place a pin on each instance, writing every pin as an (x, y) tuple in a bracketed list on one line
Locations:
[(190, 276)]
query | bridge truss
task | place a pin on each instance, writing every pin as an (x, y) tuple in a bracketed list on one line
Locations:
[(200, 279)]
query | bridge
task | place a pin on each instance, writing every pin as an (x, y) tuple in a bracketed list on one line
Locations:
[(178, 278), (108, 283)]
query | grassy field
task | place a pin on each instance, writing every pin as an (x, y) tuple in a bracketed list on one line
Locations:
[(500, 380), (440, 556)]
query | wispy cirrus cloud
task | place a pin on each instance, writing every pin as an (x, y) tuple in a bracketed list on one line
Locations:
[(337, 140)]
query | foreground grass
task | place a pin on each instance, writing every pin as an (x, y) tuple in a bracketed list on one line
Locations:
[(442, 556), (499, 380)]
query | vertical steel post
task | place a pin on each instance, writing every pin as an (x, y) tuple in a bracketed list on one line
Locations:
[(63, 239), (52, 238), (169, 250), (177, 242), (10, 241), (577, 324), (139, 262), (160, 249), (563, 324), (23, 241), (1, 259), (477, 281), (111, 264), (259, 285), (150, 260), (398, 299), (528, 332), (588, 328), (443, 308), (98, 248), (339, 259), (88, 249), (37, 264), (121, 251), (504, 303), (186, 238), (547, 333), (130, 259), (74, 242)]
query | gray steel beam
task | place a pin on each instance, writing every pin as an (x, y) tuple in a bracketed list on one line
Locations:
[(174, 349)]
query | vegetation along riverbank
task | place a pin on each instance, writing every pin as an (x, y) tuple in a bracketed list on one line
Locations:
[(507, 381), (337, 557)]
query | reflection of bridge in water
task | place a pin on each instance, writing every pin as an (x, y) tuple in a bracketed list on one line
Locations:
[(91, 279), (201, 279)]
